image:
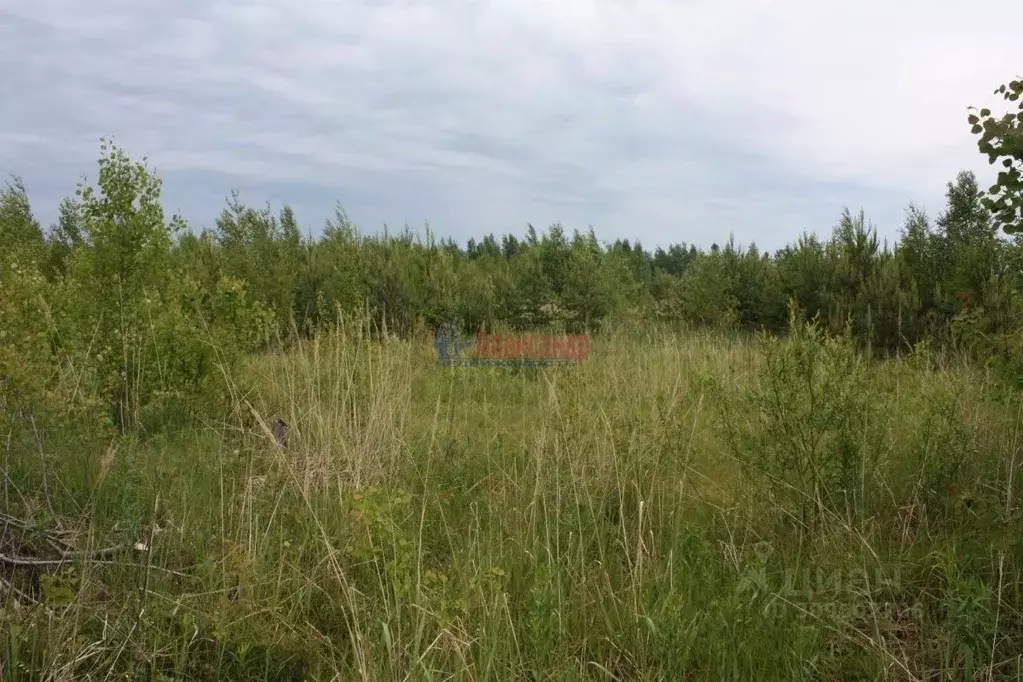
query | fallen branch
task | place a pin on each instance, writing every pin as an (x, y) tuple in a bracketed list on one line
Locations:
[(17, 593), (65, 557), (51, 547)]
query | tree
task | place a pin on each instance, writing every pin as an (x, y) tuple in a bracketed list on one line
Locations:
[(1002, 139), (19, 231), (969, 242), (806, 273), (124, 266), (64, 237), (25, 358), (341, 258)]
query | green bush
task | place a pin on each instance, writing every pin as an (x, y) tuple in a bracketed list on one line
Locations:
[(804, 431)]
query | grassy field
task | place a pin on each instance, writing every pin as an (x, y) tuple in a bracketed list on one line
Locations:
[(679, 507)]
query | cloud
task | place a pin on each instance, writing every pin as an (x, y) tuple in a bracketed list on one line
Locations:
[(662, 120)]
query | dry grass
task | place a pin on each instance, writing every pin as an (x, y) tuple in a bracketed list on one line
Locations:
[(593, 522)]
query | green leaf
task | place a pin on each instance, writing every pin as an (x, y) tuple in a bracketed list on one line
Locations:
[(985, 112), (976, 129), (972, 119), (55, 592)]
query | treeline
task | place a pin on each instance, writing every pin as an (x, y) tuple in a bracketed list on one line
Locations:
[(118, 297), (890, 296)]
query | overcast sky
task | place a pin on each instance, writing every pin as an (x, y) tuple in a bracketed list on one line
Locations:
[(663, 120)]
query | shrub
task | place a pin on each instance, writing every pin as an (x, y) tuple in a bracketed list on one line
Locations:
[(802, 431)]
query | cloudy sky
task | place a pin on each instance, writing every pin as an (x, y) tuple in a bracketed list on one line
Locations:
[(663, 120)]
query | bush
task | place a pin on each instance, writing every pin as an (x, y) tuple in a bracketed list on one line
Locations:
[(803, 431)]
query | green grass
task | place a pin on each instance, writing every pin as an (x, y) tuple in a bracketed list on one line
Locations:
[(627, 519)]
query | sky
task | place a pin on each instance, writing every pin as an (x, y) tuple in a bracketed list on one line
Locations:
[(660, 120)]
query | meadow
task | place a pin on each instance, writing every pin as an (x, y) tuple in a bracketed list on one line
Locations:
[(683, 505), (231, 452)]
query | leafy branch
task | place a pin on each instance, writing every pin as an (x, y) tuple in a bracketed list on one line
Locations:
[(1002, 139)]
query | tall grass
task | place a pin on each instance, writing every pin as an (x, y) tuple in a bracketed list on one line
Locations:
[(681, 506)]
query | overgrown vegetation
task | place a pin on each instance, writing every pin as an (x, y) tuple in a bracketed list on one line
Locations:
[(798, 465)]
